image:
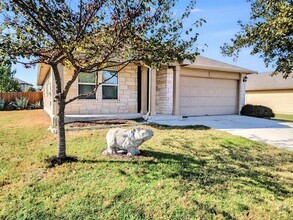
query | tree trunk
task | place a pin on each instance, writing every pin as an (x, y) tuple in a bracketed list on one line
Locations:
[(60, 99), (61, 129)]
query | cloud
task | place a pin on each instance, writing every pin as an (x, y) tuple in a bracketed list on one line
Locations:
[(195, 10)]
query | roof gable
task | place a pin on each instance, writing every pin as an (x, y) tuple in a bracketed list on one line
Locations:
[(21, 81)]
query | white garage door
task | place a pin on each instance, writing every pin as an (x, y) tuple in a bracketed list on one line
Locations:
[(205, 96)]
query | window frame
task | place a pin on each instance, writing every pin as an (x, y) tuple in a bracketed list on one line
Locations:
[(90, 84), (109, 84)]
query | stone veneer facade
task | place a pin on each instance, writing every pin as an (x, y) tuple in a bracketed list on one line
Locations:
[(242, 92), (125, 104), (164, 86), (127, 94)]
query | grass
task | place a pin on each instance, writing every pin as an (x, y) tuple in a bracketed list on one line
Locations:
[(192, 173), (284, 117)]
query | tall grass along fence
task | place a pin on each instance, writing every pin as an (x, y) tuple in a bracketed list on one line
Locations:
[(32, 97)]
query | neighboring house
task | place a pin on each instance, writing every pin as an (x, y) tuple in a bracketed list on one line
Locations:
[(23, 84), (206, 87), (271, 91)]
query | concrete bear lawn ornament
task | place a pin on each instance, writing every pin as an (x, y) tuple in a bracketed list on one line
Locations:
[(126, 141)]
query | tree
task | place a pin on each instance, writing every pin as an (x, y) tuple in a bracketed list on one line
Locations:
[(269, 33), (7, 82), (94, 35)]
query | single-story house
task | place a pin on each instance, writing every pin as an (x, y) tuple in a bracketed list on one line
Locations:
[(205, 87), (23, 84), (271, 91)]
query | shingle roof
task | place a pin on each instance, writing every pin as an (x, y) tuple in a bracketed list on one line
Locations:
[(22, 82), (211, 64), (264, 81)]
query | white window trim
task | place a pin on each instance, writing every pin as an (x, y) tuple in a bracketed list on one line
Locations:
[(106, 84), (90, 84)]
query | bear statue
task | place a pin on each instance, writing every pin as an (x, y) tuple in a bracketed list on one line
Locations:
[(126, 141)]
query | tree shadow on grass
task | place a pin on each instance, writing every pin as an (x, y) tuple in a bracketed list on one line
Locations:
[(243, 169), (222, 168)]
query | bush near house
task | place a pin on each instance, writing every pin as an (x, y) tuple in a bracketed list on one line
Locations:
[(258, 111), (19, 104), (30, 89), (2, 104), (21, 100)]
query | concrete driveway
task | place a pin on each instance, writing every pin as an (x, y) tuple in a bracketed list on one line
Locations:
[(279, 134)]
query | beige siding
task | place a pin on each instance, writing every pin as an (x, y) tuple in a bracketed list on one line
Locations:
[(280, 101), (206, 96), (127, 96)]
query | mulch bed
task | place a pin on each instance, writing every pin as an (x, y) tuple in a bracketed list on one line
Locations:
[(104, 122)]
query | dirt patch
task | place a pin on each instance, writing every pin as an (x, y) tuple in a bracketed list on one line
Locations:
[(103, 122), (24, 118)]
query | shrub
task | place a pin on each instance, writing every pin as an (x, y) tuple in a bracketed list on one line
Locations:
[(37, 105), (30, 89), (257, 111), (20, 103), (2, 104), (10, 106)]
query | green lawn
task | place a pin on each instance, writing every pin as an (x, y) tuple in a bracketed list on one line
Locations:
[(184, 174), (283, 117)]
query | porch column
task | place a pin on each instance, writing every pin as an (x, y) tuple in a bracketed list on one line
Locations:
[(242, 88), (144, 90), (153, 91), (176, 90)]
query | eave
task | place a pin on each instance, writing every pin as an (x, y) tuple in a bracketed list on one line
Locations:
[(43, 71)]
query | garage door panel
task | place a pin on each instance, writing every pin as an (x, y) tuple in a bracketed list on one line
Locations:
[(207, 96), (193, 81), (185, 91), (184, 81), (211, 92), (194, 92), (202, 91), (184, 101), (211, 101)]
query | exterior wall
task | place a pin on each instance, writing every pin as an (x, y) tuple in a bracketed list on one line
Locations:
[(280, 101), (127, 95), (164, 87), (47, 94)]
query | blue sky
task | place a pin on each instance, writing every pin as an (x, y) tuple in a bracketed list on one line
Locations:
[(221, 17)]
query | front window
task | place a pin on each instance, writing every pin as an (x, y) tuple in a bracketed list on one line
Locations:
[(110, 85), (86, 84)]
